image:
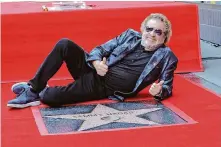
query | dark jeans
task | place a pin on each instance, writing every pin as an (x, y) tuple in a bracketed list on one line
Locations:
[(87, 85)]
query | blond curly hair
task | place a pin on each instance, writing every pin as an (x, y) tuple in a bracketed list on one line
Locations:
[(164, 19)]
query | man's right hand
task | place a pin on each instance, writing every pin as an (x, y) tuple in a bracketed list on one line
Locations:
[(100, 67)]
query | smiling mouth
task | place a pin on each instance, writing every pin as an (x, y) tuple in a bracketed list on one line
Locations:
[(151, 39)]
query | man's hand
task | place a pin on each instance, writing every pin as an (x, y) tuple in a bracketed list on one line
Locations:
[(156, 88), (101, 67)]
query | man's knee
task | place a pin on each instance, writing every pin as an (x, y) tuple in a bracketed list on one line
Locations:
[(67, 45), (63, 43)]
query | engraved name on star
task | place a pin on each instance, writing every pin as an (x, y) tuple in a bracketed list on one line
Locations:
[(102, 115)]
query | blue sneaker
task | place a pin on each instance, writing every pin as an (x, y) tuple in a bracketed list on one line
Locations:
[(25, 99), (19, 87)]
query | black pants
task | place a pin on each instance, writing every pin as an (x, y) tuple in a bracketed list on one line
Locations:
[(87, 85)]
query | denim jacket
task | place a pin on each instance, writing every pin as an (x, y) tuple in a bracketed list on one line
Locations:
[(160, 67)]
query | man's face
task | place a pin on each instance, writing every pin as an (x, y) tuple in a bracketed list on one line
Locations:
[(153, 34)]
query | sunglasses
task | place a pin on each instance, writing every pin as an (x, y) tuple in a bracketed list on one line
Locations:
[(159, 32)]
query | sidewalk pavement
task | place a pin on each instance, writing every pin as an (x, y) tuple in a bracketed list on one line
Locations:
[(211, 77)]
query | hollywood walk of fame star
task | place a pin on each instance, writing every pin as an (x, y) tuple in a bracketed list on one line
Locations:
[(102, 115)]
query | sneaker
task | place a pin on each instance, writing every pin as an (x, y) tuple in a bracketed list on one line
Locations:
[(25, 99), (21, 86)]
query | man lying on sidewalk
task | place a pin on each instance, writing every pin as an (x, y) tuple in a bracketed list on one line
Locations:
[(117, 69)]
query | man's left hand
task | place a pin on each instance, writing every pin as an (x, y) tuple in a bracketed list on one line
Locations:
[(156, 88)]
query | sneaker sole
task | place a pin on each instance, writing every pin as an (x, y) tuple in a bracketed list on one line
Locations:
[(13, 86), (36, 103)]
